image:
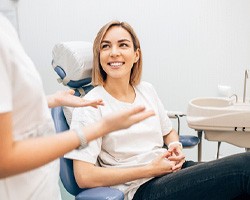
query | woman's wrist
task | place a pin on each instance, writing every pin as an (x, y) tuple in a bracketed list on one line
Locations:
[(175, 144), (148, 171)]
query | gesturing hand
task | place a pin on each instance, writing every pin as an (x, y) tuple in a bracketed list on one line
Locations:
[(67, 98), (125, 119)]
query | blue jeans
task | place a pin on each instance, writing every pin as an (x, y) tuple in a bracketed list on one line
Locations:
[(226, 178)]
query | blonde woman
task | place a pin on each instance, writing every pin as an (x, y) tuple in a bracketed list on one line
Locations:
[(134, 160)]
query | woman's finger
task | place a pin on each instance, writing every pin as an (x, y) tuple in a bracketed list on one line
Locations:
[(178, 166)]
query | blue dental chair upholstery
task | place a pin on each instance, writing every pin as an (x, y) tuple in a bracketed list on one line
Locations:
[(72, 61)]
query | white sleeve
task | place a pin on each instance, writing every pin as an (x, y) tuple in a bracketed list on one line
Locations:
[(85, 117), (166, 124)]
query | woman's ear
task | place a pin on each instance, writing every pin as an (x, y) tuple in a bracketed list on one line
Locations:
[(137, 55)]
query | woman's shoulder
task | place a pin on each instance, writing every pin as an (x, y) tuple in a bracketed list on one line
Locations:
[(144, 85), (147, 89), (96, 92)]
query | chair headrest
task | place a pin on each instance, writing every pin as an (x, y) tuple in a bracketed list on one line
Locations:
[(72, 61)]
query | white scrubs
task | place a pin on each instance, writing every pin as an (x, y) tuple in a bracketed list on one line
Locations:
[(22, 94)]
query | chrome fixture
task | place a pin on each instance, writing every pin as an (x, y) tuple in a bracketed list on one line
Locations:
[(236, 97), (245, 85)]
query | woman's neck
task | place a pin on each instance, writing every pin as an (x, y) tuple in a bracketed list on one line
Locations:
[(121, 90)]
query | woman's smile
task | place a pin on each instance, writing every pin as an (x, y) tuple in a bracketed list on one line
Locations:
[(116, 65)]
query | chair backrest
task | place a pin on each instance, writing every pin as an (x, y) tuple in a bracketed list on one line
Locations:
[(72, 61), (66, 165)]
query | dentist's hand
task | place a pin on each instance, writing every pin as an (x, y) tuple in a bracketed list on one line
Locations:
[(67, 98), (125, 119), (116, 121)]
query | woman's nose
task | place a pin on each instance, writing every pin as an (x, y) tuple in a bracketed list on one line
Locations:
[(115, 51)]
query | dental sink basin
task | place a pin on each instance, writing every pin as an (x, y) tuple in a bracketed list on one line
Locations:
[(221, 119), (211, 102)]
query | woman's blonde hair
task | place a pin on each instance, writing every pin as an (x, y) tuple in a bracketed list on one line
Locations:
[(98, 74)]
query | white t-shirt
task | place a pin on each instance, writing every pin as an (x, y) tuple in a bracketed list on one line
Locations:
[(135, 146), (22, 94)]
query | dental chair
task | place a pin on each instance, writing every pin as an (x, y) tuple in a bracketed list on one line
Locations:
[(72, 61)]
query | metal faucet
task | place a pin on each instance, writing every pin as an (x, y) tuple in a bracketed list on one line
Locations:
[(245, 85), (236, 97)]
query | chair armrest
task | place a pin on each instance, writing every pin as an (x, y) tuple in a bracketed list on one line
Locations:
[(175, 114)]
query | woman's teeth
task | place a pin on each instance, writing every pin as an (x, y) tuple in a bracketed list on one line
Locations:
[(115, 64)]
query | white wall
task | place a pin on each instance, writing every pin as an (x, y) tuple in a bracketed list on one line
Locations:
[(9, 9), (189, 46)]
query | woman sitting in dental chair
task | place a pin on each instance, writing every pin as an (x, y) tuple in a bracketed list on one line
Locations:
[(133, 160)]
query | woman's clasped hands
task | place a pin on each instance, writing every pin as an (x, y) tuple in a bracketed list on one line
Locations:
[(170, 161), (177, 156)]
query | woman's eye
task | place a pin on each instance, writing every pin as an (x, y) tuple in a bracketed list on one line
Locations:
[(104, 46), (123, 45)]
